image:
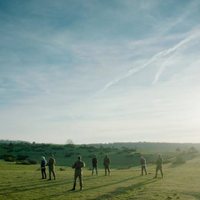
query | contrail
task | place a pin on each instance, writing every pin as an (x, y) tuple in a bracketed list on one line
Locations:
[(154, 58), (172, 50)]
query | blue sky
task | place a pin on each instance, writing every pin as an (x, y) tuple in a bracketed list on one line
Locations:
[(100, 71)]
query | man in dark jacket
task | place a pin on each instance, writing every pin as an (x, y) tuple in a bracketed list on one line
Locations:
[(77, 166), (51, 164), (94, 165), (159, 163), (143, 165), (106, 163), (43, 167)]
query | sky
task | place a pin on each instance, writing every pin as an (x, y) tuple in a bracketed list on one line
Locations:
[(100, 71)]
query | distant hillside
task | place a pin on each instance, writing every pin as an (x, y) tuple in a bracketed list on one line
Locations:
[(122, 155), (151, 147)]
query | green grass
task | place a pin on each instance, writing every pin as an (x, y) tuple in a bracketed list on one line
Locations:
[(20, 182)]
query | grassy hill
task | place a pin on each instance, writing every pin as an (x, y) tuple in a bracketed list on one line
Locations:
[(23, 182), (151, 147), (122, 155)]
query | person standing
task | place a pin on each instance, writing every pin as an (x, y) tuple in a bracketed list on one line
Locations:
[(159, 163), (94, 165), (51, 165), (106, 163), (77, 166), (43, 167), (143, 165)]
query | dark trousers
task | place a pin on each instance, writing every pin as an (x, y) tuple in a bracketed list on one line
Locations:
[(94, 168), (107, 170), (78, 175), (143, 169), (51, 171), (159, 168), (43, 172)]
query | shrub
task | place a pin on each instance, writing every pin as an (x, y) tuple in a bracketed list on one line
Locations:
[(57, 147), (9, 157), (68, 154), (32, 162), (26, 162), (23, 162), (22, 157)]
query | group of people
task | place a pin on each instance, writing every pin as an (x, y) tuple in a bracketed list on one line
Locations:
[(106, 164), (51, 166), (79, 164), (159, 163)]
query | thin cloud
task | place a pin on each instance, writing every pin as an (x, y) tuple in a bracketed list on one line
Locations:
[(160, 55), (195, 35), (53, 59)]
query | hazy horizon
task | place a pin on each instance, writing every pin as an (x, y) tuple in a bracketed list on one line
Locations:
[(100, 71), (98, 143)]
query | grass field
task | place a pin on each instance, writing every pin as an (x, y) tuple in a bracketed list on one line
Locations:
[(21, 182)]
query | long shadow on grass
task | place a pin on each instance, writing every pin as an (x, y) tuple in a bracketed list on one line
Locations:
[(112, 183), (17, 189), (22, 183), (39, 185), (88, 189), (123, 190)]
